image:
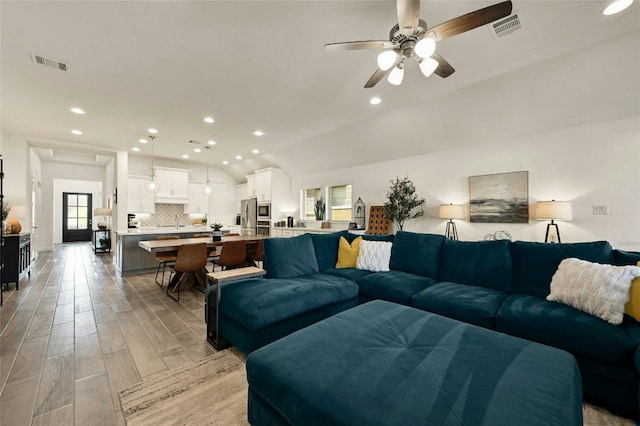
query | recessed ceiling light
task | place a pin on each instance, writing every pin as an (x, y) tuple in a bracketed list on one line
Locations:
[(197, 150), (185, 156), (616, 7), (225, 162), (238, 157), (208, 120), (77, 110), (258, 133), (211, 142), (375, 101), (255, 151), (76, 132), (152, 130), (143, 141), (136, 149)]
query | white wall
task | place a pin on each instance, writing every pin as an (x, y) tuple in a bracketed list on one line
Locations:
[(594, 164)]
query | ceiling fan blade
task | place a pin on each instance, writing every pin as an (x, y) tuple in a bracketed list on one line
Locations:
[(380, 74), (471, 20), (408, 16), (445, 69), (358, 45)]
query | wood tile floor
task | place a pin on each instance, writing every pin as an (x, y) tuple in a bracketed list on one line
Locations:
[(76, 333)]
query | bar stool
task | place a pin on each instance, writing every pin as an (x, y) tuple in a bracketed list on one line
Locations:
[(165, 257), (233, 255), (191, 259)]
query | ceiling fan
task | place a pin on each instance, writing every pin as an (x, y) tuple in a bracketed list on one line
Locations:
[(412, 39)]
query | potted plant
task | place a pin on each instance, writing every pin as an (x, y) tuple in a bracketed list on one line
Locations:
[(105, 242), (319, 209), (403, 202), (217, 231), (6, 207), (204, 221)]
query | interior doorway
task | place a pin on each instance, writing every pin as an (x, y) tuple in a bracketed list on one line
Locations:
[(76, 216)]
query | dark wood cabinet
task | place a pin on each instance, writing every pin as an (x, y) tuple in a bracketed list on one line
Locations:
[(16, 255)]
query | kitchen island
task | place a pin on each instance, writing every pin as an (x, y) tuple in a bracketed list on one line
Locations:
[(131, 259)]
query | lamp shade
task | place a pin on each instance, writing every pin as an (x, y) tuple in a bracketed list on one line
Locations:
[(554, 210), (102, 212), (451, 211)]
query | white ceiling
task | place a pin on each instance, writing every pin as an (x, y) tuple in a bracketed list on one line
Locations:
[(262, 65)]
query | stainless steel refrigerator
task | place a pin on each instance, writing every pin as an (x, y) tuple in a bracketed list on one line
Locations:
[(249, 216)]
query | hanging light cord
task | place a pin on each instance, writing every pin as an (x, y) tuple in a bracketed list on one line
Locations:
[(152, 139)]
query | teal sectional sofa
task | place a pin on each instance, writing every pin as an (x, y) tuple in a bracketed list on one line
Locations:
[(498, 285)]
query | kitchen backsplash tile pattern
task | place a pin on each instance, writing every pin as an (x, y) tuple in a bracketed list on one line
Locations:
[(165, 215)]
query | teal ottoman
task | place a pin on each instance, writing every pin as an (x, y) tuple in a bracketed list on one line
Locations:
[(381, 363)]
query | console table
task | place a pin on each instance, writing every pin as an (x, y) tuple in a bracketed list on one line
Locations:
[(16, 254)]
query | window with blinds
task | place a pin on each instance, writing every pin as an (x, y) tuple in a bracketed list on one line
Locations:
[(339, 203), (309, 197)]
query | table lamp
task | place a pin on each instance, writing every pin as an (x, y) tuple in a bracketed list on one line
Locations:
[(450, 211), (101, 214), (553, 210)]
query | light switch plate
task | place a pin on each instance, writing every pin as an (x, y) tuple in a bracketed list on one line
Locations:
[(601, 209)]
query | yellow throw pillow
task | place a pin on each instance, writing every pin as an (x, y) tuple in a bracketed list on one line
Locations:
[(348, 253), (632, 307)]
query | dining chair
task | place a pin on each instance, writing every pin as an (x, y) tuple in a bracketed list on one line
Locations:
[(213, 251), (164, 258), (255, 253), (233, 255), (189, 267)]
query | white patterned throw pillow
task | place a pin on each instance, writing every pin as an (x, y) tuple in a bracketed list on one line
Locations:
[(600, 290), (374, 256)]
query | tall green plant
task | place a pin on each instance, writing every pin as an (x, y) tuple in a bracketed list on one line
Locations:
[(403, 202), (5, 211), (319, 209)]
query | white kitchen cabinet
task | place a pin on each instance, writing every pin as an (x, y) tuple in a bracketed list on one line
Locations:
[(276, 232), (198, 201), (241, 194), (139, 200), (263, 185), (218, 206), (251, 185), (174, 186)]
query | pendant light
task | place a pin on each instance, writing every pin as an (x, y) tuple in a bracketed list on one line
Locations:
[(206, 189), (152, 186)]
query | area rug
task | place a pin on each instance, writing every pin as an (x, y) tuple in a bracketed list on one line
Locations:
[(213, 391)]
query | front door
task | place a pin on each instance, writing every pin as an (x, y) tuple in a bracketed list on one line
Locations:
[(76, 217)]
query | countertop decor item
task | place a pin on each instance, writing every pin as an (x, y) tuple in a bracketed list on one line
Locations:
[(403, 202)]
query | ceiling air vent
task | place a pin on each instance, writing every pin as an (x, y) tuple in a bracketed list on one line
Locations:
[(49, 62), (505, 26)]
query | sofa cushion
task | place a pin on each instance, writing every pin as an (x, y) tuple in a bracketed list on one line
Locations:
[(348, 253), (394, 286), (351, 274), (479, 263), (326, 248), (632, 307), (471, 304), (623, 257), (567, 328), (257, 302), (416, 253), (290, 257), (600, 290), (368, 237), (535, 263), (374, 255)]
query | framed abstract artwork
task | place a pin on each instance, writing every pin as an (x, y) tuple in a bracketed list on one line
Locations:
[(499, 198)]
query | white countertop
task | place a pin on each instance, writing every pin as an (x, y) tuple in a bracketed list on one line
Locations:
[(163, 230)]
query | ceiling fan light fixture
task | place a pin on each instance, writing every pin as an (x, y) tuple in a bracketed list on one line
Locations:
[(425, 47), (616, 7), (428, 66), (396, 75), (386, 59)]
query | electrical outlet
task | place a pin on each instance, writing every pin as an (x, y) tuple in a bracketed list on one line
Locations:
[(601, 209)]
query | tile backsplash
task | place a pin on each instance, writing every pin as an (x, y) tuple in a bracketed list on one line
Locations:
[(165, 215)]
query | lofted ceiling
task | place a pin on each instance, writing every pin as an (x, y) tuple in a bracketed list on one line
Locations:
[(261, 65)]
